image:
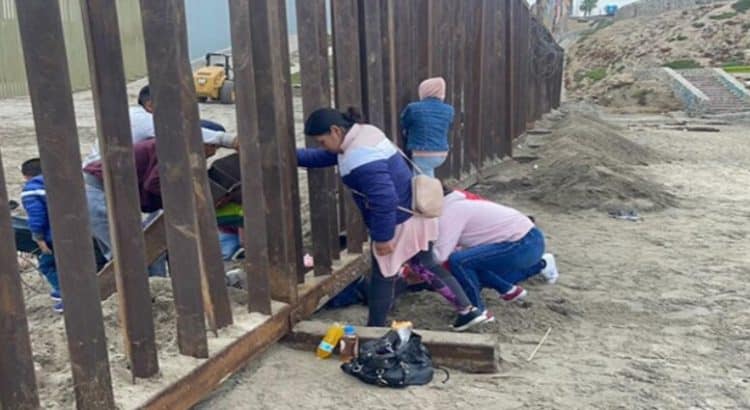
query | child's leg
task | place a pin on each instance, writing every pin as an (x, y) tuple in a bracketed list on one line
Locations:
[(49, 270), (436, 284), (428, 261)]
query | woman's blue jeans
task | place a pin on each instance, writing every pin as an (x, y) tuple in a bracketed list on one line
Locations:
[(498, 266)]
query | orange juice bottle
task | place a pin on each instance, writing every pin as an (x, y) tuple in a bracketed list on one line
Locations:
[(330, 340)]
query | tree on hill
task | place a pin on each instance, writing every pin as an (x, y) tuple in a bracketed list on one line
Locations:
[(587, 6)]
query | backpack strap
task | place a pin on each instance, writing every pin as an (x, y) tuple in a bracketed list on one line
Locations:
[(400, 208), (419, 170)]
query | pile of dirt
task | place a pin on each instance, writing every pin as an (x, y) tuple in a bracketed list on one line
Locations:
[(586, 163), (612, 63)]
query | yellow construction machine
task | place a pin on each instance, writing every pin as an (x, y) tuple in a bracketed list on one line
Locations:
[(215, 81)]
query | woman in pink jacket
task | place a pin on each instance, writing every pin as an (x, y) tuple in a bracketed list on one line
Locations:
[(498, 247)]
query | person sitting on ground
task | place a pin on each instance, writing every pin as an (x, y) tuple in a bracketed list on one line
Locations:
[(498, 247), (142, 126), (380, 180), (149, 189), (426, 125), (34, 199)]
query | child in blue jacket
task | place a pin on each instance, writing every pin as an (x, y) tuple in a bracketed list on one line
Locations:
[(34, 199), (426, 124)]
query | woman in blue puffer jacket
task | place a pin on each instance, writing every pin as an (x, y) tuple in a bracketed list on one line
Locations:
[(380, 180)]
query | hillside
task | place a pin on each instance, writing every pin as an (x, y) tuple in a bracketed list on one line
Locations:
[(610, 62)]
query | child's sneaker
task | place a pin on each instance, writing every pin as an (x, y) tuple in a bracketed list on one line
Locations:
[(55, 296), (238, 255), (515, 293), (58, 307), (550, 272), (467, 320)]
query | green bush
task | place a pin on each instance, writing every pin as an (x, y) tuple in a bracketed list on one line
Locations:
[(682, 64), (723, 16), (596, 74), (741, 6), (296, 78), (699, 24), (737, 69)]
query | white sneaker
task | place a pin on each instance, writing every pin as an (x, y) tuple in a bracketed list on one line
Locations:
[(550, 271)]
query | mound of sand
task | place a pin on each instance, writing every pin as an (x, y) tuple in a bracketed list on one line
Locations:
[(586, 163), (611, 62)]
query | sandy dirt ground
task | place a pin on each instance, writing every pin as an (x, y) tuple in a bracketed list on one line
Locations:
[(647, 315)]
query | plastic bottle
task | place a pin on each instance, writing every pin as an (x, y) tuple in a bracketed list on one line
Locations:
[(330, 340), (349, 347)]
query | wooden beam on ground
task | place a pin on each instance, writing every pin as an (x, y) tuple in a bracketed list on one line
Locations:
[(200, 382), (469, 352), (102, 35), (273, 131), (348, 81), (176, 121), (51, 96), (256, 261), (316, 93), (18, 388), (155, 243)]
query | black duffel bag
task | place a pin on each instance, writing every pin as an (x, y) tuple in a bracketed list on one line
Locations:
[(386, 362)]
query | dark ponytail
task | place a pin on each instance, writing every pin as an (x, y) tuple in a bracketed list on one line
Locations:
[(352, 116), (321, 120)]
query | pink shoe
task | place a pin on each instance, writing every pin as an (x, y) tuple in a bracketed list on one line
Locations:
[(514, 294), (489, 315)]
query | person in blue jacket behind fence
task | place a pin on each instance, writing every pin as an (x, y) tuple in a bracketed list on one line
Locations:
[(426, 124), (380, 180), (34, 199)]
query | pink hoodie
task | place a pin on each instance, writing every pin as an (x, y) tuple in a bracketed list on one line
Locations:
[(468, 222)]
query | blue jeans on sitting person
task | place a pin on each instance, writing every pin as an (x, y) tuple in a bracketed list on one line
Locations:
[(230, 244), (428, 164), (97, 204), (498, 266)]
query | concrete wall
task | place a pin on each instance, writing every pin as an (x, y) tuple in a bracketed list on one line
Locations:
[(655, 7), (207, 23), (12, 70)]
